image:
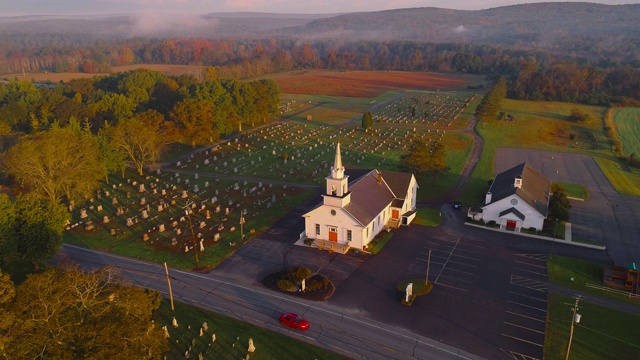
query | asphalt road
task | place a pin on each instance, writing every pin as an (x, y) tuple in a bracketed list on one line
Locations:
[(341, 330)]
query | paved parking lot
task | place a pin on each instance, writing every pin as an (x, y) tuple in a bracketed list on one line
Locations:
[(607, 217)]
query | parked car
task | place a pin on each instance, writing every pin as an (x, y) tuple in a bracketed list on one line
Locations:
[(457, 205), (294, 321)]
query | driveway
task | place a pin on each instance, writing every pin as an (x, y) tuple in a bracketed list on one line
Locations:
[(607, 217)]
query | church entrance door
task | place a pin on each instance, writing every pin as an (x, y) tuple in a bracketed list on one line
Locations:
[(333, 234)]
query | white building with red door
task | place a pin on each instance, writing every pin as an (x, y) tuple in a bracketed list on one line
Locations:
[(518, 198), (358, 204)]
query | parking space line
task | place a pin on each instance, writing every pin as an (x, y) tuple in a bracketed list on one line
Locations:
[(525, 316), (512, 354), (524, 327), (456, 270), (434, 256), (449, 286), (527, 296), (432, 262), (523, 340), (445, 264), (471, 251), (539, 257), (467, 257), (457, 279), (529, 271), (526, 263), (474, 245), (463, 263), (527, 306)]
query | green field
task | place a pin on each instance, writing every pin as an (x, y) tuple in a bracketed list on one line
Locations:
[(537, 125), (628, 122), (577, 191), (623, 181), (232, 337), (601, 334), (428, 217)]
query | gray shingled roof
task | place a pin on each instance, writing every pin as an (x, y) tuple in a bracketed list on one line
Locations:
[(534, 190), (514, 211)]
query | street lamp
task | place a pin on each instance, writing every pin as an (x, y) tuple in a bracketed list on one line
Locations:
[(241, 226), (193, 237)]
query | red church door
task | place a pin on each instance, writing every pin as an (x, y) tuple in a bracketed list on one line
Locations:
[(333, 234), (511, 224), (395, 214)]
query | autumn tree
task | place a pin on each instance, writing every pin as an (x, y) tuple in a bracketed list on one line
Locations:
[(195, 121), (74, 314), (56, 163), (367, 120), (34, 227), (559, 204), (492, 100), (140, 138), (425, 158)]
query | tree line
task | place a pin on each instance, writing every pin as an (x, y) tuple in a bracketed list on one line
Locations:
[(530, 74)]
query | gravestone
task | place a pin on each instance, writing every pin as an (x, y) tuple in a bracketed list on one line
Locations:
[(144, 214), (184, 194), (161, 228), (145, 237), (99, 208), (129, 222), (114, 201), (143, 201), (83, 213), (141, 188), (105, 220)]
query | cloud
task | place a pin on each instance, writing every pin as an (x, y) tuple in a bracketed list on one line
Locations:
[(154, 22)]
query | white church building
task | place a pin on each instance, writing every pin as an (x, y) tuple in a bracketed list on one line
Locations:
[(518, 198), (355, 210)]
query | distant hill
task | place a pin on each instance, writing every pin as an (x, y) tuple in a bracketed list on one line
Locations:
[(508, 24), (529, 23)]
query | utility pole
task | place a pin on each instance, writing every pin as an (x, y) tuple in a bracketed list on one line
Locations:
[(193, 236), (573, 322), (166, 271), (241, 226), (428, 263)]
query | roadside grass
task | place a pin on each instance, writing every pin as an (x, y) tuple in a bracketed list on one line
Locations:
[(175, 150), (602, 333), (623, 181), (627, 121), (577, 191), (561, 269), (428, 217), (379, 242), (232, 337)]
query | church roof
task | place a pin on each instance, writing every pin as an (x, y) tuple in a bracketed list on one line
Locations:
[(534, 189), (369, 197)]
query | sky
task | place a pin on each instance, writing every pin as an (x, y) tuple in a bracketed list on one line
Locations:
[(83, 7)]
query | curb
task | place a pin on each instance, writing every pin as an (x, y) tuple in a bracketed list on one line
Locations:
[(559, 241)]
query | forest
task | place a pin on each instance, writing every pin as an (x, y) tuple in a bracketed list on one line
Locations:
[(531, 75)]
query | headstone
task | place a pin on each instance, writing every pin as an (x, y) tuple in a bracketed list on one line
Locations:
[(184, 194), (114, 201), (186, 248), (99, 208), (105, 220), (83, 213), (208, 215), (202, 224), (251, 347), (202, 245), (145, 214), (161, 228), (409, 292), (196, 176), (226, 211), (195, 188), (129, 222), (141, 188), (145, 237), (216, 237), (143, 201)]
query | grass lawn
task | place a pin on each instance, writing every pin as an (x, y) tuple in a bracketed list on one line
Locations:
[(326, 109), (628, 123), (623, 181), (379, 242), (561, 270), (428, 217), (538, 125), (268, 344), (601, 334), (577, 191)]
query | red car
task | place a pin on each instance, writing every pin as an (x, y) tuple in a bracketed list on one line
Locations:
[(294, 321)]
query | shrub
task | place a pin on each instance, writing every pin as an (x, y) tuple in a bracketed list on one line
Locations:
[(285, 285), (492, 223), (298, 273), (308, 241)]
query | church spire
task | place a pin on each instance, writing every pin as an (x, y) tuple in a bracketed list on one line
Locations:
[(337, 171)]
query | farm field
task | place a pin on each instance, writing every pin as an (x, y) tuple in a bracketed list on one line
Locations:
[(537, 125), (367, 84), (628, 123)]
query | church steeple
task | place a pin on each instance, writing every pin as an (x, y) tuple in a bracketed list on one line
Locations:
[(337, 182), (337, 170)]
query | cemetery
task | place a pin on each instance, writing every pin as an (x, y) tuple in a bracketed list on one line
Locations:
[(188, 221), (195, 212), (433, 109)]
